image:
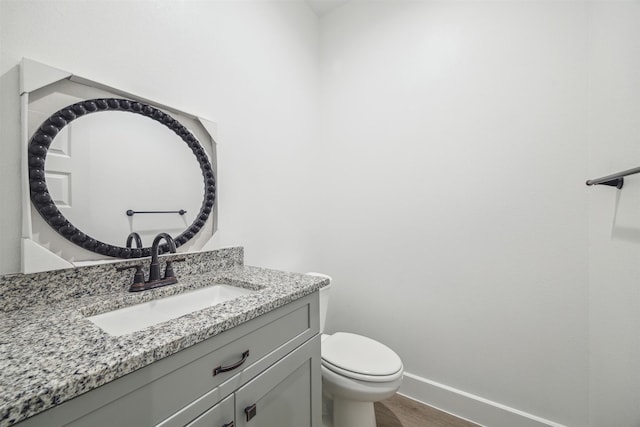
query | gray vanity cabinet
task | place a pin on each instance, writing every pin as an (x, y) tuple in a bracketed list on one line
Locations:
[(280, 375), (281, 396)]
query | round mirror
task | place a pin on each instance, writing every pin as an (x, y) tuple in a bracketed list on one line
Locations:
[(93, 162)]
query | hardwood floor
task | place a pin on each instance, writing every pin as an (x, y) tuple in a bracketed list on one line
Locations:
[(400, 411)]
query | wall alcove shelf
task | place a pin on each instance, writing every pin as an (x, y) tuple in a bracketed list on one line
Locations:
[(613, 180)]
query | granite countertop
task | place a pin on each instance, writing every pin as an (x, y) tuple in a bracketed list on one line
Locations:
[(50, 353)]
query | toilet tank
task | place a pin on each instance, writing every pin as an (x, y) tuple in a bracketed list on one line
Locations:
[(324, 299)]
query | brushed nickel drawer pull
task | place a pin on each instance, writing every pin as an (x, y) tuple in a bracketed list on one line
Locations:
[(231, 424), (221, 369)]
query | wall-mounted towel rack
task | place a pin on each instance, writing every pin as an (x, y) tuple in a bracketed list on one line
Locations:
[(132, 212), (613, 180)]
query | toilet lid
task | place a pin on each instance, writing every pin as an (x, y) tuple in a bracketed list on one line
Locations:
[(360, 355)]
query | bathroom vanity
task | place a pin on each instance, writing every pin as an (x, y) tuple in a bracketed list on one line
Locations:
[(250, 361)]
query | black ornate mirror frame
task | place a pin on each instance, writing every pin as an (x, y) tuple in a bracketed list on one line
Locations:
[(41, 199)]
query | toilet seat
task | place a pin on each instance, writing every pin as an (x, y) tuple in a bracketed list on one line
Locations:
[(360, 358), (362, 377)]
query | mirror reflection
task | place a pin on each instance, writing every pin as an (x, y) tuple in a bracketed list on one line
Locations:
[(102, 169), (102, 165)]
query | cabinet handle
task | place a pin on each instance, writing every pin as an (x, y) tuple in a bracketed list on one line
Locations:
[(251, 411), (231, 424), (221, 369)]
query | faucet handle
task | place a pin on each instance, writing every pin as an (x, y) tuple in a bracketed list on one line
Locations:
[(168, 271), (138, 277)]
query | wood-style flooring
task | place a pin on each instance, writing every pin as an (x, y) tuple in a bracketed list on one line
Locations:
[(399, 411)]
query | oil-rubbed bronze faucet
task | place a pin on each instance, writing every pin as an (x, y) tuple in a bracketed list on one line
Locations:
[(154, 270), (134, 236)]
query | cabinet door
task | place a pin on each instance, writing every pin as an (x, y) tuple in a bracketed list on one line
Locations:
[(221, 415), (288, 394)]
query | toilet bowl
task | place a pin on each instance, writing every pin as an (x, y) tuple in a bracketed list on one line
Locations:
[(356, 372)]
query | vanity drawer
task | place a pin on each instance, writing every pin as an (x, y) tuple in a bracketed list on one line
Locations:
[(265, 345), (191, 381)]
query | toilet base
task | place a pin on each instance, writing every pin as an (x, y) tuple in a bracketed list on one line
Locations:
[(327, 411), (350, 413)]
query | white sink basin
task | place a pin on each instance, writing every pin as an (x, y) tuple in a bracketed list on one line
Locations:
[(140, 316)]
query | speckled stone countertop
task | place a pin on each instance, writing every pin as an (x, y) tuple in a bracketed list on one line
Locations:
[(50, 353)]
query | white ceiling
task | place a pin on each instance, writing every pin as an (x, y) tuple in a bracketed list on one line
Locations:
[(321, 7)]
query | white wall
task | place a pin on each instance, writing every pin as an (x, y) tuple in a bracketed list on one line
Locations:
[(249, 66), (457, 135), (614, 226), (461, 134)]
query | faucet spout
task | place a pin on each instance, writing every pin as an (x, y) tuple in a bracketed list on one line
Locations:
[(154, 270), (134, 236)]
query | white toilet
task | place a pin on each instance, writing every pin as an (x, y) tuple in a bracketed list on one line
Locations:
[(356, 371)]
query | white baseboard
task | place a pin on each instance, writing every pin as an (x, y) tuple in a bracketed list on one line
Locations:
[(468, 406)]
